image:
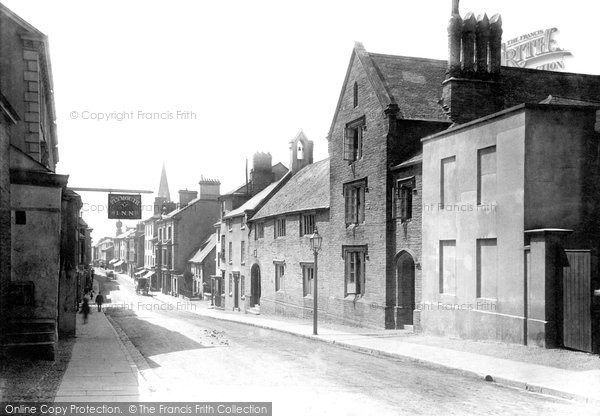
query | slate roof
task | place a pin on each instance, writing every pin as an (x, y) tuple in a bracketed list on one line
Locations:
[(567, 101), (416, 159), (253, 202), (204, 251), (307, 190), (413, 83)]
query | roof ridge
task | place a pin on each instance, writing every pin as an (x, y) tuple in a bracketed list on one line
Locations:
[(409, 57)]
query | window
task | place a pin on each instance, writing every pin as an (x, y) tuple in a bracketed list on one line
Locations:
[(279, 272), (230, 283), (228, 223), (355, 94), (307, 224), (486, 175), (160, 230), (230, 252), (169, 233), (242, 252), (300, 150), (448, 266), (353, 140), (405, 200), (223, 247), (243, 286), (487, 268), (20, 218), (279, 227), (260, 230), (448, 188), (354, 194), (308, 276), (354, 259)]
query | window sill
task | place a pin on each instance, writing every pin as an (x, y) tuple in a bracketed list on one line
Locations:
[(243, 263), (488, 300)]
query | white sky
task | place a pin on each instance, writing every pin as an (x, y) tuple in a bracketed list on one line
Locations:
[(254, 72)]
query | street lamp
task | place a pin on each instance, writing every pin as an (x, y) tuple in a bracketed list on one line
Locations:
[(315, 245)]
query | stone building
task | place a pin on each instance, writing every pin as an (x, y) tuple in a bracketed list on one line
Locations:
[(387, 105), (162, 205), (233, 216), (202, 266), (39, 295), (182, 231), (511, 255), (280, 262)]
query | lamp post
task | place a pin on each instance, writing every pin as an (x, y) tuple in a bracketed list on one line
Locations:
[(315, 245)]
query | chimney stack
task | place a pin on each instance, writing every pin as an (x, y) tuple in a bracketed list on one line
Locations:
[(261, 174), (210, 189), (472, 89), (185, 197)]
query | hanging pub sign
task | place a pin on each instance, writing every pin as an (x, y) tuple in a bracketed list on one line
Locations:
[(124, 207)]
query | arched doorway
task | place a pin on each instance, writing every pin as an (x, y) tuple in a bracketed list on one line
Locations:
[(255, 286), (405, 290)]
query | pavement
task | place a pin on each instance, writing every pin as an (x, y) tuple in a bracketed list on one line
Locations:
[(103, 366), (100, 368), (581, 385)]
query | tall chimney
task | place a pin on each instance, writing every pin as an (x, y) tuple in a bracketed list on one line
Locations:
[(472, 89), (454, 42), (495, 44), (468, 45), (482, 36)]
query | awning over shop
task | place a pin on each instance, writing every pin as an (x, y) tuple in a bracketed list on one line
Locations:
[(117, 264), (140, 272), (149, 275), (113, 261)]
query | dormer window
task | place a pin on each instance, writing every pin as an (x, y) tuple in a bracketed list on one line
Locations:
[(300, 151)]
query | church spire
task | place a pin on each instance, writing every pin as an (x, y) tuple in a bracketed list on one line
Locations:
[(163, 188)]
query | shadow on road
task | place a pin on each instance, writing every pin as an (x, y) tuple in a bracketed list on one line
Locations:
[(151, 339)]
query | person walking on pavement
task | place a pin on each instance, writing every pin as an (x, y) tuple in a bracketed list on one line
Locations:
[(99, 301), (85, 309)]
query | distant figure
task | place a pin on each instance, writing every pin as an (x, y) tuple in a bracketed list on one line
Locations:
[(85, 309), (99, 301)]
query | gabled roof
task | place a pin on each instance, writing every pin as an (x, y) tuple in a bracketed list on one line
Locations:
[(20, 21), (255, 201), (205, 249), (178, 211), (414, 84), (306, 190)]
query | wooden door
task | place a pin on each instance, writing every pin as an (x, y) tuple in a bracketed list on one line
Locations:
[(577, 318)]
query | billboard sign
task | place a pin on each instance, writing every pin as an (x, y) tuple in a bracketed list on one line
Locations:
[(537, 50)]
